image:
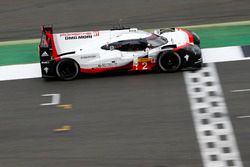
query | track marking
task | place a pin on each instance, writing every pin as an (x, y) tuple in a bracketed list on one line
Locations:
[(55, 99), (240, 90), (241, 117), (65, 106), (64, 128), (211, 119), (222, 54), (20, 71)]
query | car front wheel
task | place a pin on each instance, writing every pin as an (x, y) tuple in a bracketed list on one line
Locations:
[(169, 61)]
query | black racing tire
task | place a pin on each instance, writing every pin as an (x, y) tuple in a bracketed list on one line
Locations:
[(67, 69), (169, 62)]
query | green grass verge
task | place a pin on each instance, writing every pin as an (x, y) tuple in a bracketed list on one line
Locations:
[(223, 36), (19, 54)]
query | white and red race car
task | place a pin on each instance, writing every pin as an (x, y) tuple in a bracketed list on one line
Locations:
[(65, 55)]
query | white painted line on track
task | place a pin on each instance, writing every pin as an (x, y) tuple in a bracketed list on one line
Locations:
[(23, 71), (241, 117), (55, 99), (240, 90), (213, 127), (223, 54)]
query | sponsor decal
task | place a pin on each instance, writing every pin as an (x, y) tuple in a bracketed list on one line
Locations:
[(84, 36), (45, 54), (96, 33), (88, 57), (146, 63), (75, 34), (104, 65), (80, 35), (45, 62), (70, 38), (147, 59)]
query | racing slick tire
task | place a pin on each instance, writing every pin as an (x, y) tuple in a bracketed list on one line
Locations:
[(67, 69), (169, 61)]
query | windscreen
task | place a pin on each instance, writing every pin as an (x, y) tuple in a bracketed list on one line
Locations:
[(155, 40)]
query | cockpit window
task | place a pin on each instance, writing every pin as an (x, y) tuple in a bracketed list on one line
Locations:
[(155, 40), (132, 45), (127, 45), (137, 44)]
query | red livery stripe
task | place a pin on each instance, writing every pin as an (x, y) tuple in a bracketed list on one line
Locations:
[(106, 69), (54, 51)]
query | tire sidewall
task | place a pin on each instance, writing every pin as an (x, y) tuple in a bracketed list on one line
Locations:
[(77, 68), (162, 68)]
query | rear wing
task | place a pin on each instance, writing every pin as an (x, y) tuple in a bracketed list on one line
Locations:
[(47, 51), (45, 46)]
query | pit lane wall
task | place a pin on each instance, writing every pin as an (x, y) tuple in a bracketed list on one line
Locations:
[(223, 54)]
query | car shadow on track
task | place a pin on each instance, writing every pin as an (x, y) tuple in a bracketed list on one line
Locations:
[(110, 75)]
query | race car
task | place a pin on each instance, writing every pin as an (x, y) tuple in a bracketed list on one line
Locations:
[(66, 55)]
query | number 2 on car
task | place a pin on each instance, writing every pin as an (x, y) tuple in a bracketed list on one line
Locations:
[(144, 64)]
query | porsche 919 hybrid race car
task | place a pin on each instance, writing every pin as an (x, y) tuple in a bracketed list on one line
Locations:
[(65, 55)]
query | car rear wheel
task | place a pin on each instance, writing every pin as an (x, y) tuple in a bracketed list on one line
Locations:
[(169, 62), (67, 69)]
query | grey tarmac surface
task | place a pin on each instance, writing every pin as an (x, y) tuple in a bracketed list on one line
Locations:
[(236, 76), (127, 121), (117, 120), (22, 19), (138, 120)]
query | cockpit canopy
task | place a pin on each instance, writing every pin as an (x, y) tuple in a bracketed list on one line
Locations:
[(152, 41)]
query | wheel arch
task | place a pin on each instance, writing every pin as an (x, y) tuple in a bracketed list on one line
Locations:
[(69, 59)]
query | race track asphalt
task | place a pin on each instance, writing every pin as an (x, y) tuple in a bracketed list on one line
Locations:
[(22, 19), (236, 76), (117, 120)]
